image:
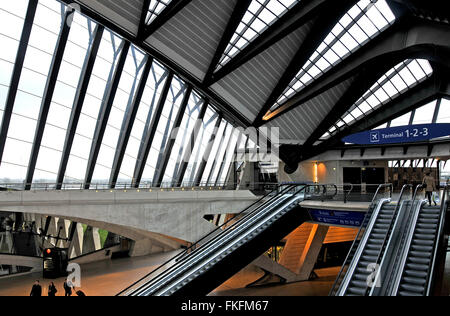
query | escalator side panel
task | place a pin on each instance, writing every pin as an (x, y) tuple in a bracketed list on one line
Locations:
[(244, 255)]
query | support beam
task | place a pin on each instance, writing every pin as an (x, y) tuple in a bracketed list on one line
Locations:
[(17, 72), (236, 17), (311, 251), (128, 124), (144, 151), (105, 111), (159, 174), (48, 94), (227, 152), (406, 39), (169, 12), (142, 21), (80, 96), (190, 146), (206, 156), (219, 149), (416, 97), (322, 27)]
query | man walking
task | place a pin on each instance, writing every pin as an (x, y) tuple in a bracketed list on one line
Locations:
[(36, 290), (430, 187)]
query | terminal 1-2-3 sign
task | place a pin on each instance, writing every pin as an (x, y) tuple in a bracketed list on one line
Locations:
[(398, 135)]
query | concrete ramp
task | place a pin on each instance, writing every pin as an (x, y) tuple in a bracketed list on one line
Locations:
[(29, 262)]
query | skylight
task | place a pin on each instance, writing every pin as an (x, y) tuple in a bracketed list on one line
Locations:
[(155, 9), (260, 15), (363, 22), (395, 82)]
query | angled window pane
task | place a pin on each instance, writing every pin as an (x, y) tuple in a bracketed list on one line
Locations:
[(364, 21), (43, 38), (211, 160), (102, 73), (424, 114), (260, 15), (155, 9), (152, 92), (200, 146), (123, 101), (444, 112), (181, 143), (165, 124)]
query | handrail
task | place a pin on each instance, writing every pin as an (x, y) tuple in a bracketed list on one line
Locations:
[(223, 234), (212, 250), (357, 240), (439, 239), (407, 238), (390, 185), (391, 226), (218, 229), (360, 248)]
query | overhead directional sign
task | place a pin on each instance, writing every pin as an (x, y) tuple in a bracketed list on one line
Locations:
[(398, 135), (341, 218)]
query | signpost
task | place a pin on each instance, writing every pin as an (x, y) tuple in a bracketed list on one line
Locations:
[(399, 135)]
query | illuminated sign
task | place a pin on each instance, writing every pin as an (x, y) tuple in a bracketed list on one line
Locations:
[(339, 218), (399, 135)]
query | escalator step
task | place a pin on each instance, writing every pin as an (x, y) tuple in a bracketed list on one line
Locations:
[(379, 231), (417, 260), (360, 276), (424, 237), (363, 271), (428, 216), (374, 253), (358, 284), (428, 221), (426, 231), (372, 259), (417, 267), (416, 274), (418, 248), (406, 293), (376, 242), (423, 242), (356, 291), (427, 226), (415, 281), (382, 226), (378, 236), (421, 254), (373, 247), (413, 288)]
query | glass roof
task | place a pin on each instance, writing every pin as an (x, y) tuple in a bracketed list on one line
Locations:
[(26, 109), (260, 15), (155, 9), (395, 82), (358, 26)]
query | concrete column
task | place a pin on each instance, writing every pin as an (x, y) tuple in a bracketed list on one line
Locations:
[(311, 251)]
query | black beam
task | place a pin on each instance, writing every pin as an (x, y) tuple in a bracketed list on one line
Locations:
[(217, 102), (48, 94), (408, 37), (159, 173), (206, 156), (416, 97), (191, 144), (405, 150), (224, 157), (430, 149), (146, 146), (142, 21), (169, 12), (105, 111), (236, 17), (363, 82), (128, 124), (299, 15), (320, 30), (80, 96), (17, 71)]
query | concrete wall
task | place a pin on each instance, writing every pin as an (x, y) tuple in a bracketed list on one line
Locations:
[(328, 172), (175, 214)]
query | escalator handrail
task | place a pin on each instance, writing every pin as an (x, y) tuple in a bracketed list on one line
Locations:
[(193, 246), (438, 241), (347, 260), (386, 185), (356, 258), (391, 227), (230, 241), (198, 251), (408, 235)]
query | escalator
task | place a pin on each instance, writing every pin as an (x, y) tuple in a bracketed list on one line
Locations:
[(400, 253), (420, 253), (216, 258), (370, 250)]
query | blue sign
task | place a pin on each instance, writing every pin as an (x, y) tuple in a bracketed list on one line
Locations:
[(353, 219), (399, 135)]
